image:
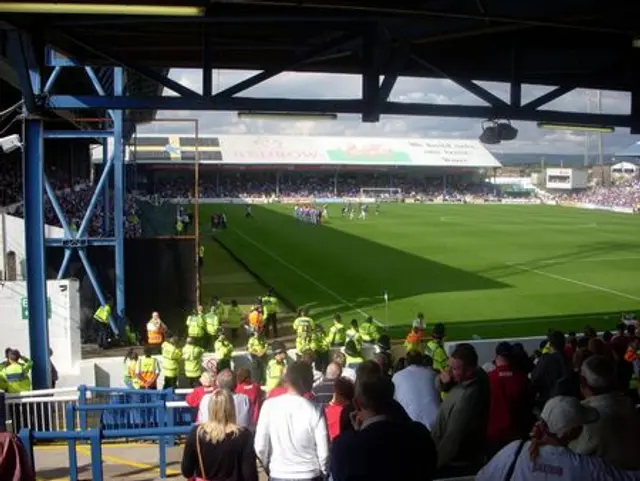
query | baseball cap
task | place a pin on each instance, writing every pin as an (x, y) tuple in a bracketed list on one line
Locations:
[(563, 413)]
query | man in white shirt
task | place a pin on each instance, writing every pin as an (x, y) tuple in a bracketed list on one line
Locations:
[(562, 421), (291, 438), (227, 380), (416, 390)]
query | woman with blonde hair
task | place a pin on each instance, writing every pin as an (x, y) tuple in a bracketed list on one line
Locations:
[(219, 450)]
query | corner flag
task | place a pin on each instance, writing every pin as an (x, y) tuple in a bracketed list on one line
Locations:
[(385, 296)]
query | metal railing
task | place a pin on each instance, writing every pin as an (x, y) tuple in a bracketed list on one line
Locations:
[(42, 410)]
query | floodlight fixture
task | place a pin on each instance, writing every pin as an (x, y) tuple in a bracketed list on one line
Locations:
[(604, 129), (253, 114), (490, 134), (635, 43), (70, 8), (506, 131)]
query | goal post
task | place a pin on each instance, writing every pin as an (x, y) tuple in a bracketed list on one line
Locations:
[(384, 194)]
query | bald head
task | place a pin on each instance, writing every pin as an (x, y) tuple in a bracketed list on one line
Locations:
[(334, 371), (226, 380)]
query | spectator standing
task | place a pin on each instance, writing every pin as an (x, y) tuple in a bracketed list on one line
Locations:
[(193, 399), (291, 437), (461, 426), (382, 448), (415, 390), (148, 370), (323, 392), (343, 392), (219, 448), (226, 381), (615, 436), (252, 390), (552, 367), (547, 456), (511, 401)]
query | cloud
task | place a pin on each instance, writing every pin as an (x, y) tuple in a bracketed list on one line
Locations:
[(435, 91)]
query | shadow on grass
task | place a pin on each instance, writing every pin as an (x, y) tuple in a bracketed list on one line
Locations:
[(331, 270)]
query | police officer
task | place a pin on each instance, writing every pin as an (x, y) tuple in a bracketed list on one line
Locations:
[(195, 326), (321, 348), (171, 355), (16, 373), (257, 348), (304, 327), (271, 308), (337, 332), (369, 331), (353, 334), (103, 330), (192, 356), (435, 348), (223, 351), (276, 366)]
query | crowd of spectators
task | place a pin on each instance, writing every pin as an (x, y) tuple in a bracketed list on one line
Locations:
[(568, 411), (626, 194)]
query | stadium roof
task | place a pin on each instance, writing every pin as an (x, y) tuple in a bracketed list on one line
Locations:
[(276, 150)]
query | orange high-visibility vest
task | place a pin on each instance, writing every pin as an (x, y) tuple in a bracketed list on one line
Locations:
[(155, 333), (147, 368)]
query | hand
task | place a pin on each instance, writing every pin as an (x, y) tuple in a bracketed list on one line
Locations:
[(445, 377)]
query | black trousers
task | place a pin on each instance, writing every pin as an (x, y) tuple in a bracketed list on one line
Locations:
[(193, 381), (170, 382), (322, 360), (271, 320), (257, 369)]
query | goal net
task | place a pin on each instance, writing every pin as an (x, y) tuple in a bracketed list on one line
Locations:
[(384, 194)]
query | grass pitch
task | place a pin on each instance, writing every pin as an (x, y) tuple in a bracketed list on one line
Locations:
[(484, 270)]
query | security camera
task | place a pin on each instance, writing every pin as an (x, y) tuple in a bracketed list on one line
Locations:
[(11, 143)]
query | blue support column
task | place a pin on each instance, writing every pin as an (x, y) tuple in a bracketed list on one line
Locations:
[(33, 171), (118, 195), (106, 221)]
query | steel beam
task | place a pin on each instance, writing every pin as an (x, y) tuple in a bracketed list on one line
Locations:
[(343, 41), (106, 202), (371, 52), (399, 57), (78, 134), (80, 242), (23, 59), (207, 62), (33, 171), (339, 106), (469, 85), (548, 97), (51, 81), (119, 183)]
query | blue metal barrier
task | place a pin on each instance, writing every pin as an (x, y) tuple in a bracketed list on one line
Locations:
[(95, 437)]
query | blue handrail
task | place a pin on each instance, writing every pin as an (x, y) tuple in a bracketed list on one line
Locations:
[(95, 437)]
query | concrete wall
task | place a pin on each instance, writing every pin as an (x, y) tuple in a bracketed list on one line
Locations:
[(12, 240), (64, 322)]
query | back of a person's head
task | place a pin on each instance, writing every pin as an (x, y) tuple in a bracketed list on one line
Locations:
[(243, 375), (579, 357), (414, 358), (598, 373), (557, 341), (466, 353), (368, 369), (226, 380), (374, 393), (308, 356), (299, 377), (339, 358), (344, 389), (222, 417), (334, 370), (383, 360), (597, 346)]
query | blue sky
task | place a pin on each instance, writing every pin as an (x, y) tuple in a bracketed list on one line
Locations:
[(310, 85)]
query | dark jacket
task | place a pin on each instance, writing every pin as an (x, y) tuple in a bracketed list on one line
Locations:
[(550, 369), (384, 450)]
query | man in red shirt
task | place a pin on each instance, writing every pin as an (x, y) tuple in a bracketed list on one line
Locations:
[(511, 401), (252, 390), (207, 385), (343, 392)]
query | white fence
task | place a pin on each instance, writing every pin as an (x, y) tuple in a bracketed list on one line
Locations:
[(43, 410)]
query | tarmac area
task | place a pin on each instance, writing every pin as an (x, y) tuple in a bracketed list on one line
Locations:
[(121, 461)]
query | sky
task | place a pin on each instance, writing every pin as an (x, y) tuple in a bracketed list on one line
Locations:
[(438, 91)]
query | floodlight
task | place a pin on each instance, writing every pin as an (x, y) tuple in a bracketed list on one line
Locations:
[(101, 9), (605, 129), (251, 114), (490, 134), (10, 143), (506, 131)]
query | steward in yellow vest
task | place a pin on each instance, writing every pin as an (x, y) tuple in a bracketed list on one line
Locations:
[(148, 370), (171, 356), (369, 331), (352, 355), (16, 373), (129, 374), (271, 309), (337, 332), (103, 330), (201, 256), (321, 348), (257, 348), (235, 316), (195, 326), (353, 334), (192, 356), (212, 324), (304, 339), (223, 351), (435, 348), (276, 366)]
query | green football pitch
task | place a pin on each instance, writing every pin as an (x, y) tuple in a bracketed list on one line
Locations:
[(485, 270)]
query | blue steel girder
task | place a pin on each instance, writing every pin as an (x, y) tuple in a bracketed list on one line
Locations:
[(372, 51), (338, 106), (22, 54)]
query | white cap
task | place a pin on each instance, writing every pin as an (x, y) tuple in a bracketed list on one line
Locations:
[(563, 413)]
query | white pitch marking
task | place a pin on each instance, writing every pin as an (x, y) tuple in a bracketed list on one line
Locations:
[(595, 259), (306, 276), (573, 281)]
